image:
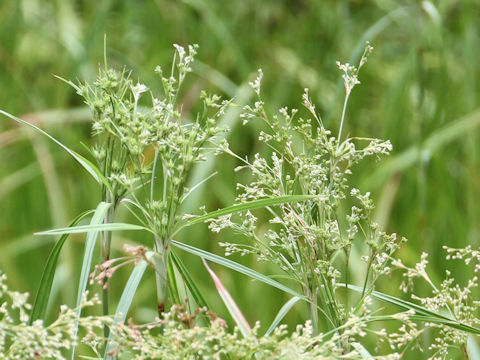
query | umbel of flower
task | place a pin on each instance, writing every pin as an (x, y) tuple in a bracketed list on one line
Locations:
[(124, 129), (309, 240)]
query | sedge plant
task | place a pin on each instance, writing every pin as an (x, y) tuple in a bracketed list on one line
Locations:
[(312, 241), (153, 188), (303, 185)]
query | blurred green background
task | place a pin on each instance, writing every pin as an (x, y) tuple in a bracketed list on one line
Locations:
[(419, 89)]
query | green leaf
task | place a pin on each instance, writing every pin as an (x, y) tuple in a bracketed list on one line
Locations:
[(231, 305), (127, 298), (251, 205), (197, 295), (237, 267), (98, 217), (361, 350), (45, 287), (172, 281), (473, 348), (281, 314), (92, 227), (422, 313), (88, 165)]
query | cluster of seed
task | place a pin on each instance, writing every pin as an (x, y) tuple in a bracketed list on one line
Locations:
[(21, 340), (125, 127), (307, 159), (467, 254), (179, 335), (182, 339), (350, 72), (457, 302)]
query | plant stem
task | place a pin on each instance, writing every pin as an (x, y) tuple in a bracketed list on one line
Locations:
[(154, 169), (343, 116), (312, 307), (160, 260), (365, 283), (106, 244), (347, 280)]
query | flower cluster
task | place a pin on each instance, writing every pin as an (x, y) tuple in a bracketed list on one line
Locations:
[(310, 240), (21, 340), (125, 129), (183, 339), (455, 301), (350, 72)]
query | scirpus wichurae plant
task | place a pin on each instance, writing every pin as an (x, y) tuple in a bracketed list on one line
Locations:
[(302, 185)]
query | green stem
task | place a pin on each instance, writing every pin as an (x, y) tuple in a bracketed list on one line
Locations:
[(106, 244), (329, 299), (343, 116), (312, 309), (347, 280), (365, 283), (152, 181), (160, 260)]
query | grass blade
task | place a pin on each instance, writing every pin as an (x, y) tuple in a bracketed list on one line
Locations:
[(473, 348), (422, 313), (237, 267), (88, 165), (126, 299), (45, 287), (197, 295), (281, 314), (250, 205), (231, 305), (361, 350), (172, 282), (98, 217), (92, 227)]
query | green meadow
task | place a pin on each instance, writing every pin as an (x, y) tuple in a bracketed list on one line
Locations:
[(419, 90)]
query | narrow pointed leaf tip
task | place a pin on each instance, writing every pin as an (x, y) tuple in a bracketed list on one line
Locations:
[(230, 303), (281, 314), (250, 205), (92, 227), (88, 165)]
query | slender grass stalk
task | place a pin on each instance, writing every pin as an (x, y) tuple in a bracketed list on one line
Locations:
[(345, 102), (313, 311), (106, 239), (160, 260)]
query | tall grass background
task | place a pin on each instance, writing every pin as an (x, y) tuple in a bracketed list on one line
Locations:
[(420, 90)]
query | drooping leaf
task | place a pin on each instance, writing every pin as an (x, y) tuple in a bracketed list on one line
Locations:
[(93, 170), (250, 205), (45, 287), (237, 267), (361, 350), (92, 227), (421, 313), (231, 305)]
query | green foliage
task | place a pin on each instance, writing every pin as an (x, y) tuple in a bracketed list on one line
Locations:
[(421, 93)]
